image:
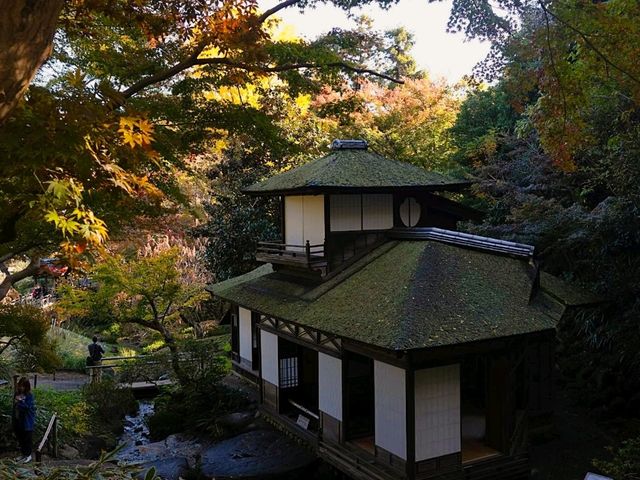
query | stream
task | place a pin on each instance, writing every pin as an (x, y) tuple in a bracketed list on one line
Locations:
[(135, 433), (259, 452)]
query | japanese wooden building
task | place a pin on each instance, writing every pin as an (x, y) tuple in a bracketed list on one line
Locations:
[(396, 346)]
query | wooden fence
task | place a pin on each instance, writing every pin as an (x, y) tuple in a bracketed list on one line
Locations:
[(49, 439)]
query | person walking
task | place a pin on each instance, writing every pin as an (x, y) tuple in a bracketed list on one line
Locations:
[(25, 408), (95, 359)]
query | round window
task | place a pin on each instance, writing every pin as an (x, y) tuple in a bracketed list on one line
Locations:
[(410, 212)]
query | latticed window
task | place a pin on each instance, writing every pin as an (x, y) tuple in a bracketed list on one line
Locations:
[(289, 372)]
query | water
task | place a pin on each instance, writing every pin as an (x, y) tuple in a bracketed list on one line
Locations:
[(135, 433)]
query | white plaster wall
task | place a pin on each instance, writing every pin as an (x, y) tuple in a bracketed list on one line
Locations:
[(304, 219), (437, 396), (293, 220), (346, 213), (330, 385), (313, 219), (391, 408), (245, 334), (377, 211), (269, 357)]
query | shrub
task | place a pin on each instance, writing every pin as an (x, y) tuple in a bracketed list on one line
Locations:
[(625, 464), (70, 406), (196, 405), (101, 469), (183, 410), (108, 403)]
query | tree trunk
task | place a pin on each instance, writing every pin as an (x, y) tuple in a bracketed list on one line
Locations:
[(9, 280), (175, 355), (26, 37)]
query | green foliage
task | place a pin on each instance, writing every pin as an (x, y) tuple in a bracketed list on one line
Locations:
[(24, 340), (108, 403), (484, 115), (102, 469), (196, 405), (625, 464), (194, 410), (236, 221), (71, 347), (146, 290), (70, 407)]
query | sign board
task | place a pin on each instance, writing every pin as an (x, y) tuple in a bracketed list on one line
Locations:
[(595, 476), (304, 422)]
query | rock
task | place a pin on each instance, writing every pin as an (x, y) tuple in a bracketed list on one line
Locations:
[(94, 445), (139, 442), (166, 468), (68, 452), (254, 454), (236, 421)]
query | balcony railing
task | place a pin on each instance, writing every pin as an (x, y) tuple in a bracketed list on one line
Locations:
[(307, 255)]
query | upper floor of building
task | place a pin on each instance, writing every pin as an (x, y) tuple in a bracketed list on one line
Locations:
[(338, 207)]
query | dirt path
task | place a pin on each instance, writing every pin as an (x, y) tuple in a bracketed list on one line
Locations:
[(60, 381)]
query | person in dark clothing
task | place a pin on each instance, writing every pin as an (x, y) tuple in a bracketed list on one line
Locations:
[(95, 358), (95, 351), (25, 411)]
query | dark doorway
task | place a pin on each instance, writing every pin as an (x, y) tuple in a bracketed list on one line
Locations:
[(255, 341), (235, 334), (359, 399), (481, 416), (298, 380)]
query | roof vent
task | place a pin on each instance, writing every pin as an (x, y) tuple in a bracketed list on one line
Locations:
[(349, 145)]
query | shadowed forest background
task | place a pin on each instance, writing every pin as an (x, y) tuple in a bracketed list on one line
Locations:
[(128, 129)]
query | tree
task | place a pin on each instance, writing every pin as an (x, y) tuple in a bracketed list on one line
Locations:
[(99, 138), (23, 338), (145, 290), (25, 43), (409, 122)]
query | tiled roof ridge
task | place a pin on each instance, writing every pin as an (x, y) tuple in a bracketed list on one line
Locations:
[(465, 239)]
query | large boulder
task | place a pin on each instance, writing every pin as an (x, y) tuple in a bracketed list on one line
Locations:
[(166, 468), (236, 422), (255, 454), (68, 452)]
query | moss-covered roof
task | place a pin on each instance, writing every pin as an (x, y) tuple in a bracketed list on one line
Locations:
[(566, 293), (354, 169), (405, 295)]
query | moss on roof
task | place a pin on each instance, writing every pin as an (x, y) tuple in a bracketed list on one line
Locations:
[(566, 293), (354, 169), (417, 294)]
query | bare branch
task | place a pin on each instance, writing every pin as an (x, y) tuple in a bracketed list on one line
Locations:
[(26, 272), (553, 66), (590, 44), (281, 6), (160, 76), (294, 66), (10, 342), (193, 60)]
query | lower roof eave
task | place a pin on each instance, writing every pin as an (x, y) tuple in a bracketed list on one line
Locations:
[(404, 352)]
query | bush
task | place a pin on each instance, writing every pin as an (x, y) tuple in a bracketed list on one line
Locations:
[(109, 404), (196, 411), (70, 406), (625, 464), (196, 405), (101, 469)]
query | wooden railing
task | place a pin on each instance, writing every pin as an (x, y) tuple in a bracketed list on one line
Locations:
[(107, 362), (307, 254), (49, 439)]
